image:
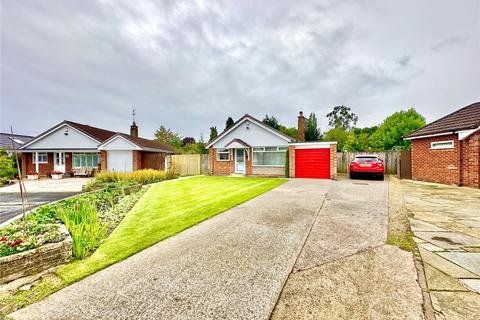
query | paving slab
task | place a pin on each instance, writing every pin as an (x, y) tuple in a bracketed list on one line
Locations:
[(374, 284), (467, 260), (457, 305), (348, 222), (473, 284), (448, 240), (444, 265), (232, 266), (438, 280), (419, 225)]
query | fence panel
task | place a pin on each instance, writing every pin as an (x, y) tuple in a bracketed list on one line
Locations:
[(391, 160), (406, 164), (189, 164)]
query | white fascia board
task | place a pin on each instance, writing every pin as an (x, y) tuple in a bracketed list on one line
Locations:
[(466, 133), (310, 145), (55, 128), (253, 121), (115, 137), (430, 135)]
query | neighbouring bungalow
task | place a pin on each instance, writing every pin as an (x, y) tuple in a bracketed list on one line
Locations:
[(448, 150), (9, 142), (75, 148), (252, 148)]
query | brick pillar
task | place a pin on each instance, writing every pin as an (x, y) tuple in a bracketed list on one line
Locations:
[(103, 160), (248, 161), (291, 161), (23, 165), (333, 161), (211, 158)]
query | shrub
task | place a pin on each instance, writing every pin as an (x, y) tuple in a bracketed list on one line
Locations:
[(146, 176), (84, 226), (7, 167)]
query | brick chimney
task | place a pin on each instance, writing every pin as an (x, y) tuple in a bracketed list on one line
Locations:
[(301, 127), (134, 129)]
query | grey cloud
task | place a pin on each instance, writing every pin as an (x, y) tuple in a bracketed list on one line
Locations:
[(188, 65), (448, 42)]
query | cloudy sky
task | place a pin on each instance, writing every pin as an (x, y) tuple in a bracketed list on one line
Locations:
[(190, 64)]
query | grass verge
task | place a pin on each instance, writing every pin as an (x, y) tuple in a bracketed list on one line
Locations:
[(399, 233), (165, 210)]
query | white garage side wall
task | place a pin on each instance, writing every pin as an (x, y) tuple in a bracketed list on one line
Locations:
[(119, 143), (255, 136), (58, 140), (120, 160)]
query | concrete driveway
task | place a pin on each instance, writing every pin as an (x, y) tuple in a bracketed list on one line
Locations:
[(236, 264), (38, 192)]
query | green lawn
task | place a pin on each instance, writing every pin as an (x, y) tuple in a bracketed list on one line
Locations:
[(166, 209)]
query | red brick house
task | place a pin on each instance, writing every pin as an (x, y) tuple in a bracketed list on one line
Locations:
[(71, 146), (252, 148), (448, 150)]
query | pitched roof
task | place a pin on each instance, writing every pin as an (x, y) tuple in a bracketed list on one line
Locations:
[(146, 143), (19, 140), (249, 117), (94, 132), (240, 141), (463, 119)]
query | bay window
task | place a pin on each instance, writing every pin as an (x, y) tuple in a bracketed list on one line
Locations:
[(269, 156), (82, 160)]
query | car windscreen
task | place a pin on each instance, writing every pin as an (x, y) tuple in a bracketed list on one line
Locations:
[(365, 159)]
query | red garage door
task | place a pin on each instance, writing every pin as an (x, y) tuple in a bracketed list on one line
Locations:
[(312, 163)]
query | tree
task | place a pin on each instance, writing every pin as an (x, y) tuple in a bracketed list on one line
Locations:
[(167, 136), (342, 117), (361, 139), (187, 140), (271, 121), (312, 133), (229, 123), (292, 132), (340, 135), (7, 167), (390, 133), (213, 133)]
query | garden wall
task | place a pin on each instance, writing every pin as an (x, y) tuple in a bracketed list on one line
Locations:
[(36, 260)]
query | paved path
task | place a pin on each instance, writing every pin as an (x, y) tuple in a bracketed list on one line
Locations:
[(346, 271), (446, 224), (39, 192), (232, 266)]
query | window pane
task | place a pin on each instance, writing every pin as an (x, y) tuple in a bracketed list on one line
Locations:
[(269, 158), (270, 148), (258, 149)]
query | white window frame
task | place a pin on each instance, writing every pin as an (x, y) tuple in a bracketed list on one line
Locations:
[(223, 151), (451, 146), (85, 154), (40, 161), (262, 149)]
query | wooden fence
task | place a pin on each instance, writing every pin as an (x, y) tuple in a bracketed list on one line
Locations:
[(188, 164), (391, 160)]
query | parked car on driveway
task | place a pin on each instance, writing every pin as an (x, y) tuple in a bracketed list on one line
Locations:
[(367, 165)]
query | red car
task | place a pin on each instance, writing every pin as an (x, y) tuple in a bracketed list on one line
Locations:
[(367, 165)]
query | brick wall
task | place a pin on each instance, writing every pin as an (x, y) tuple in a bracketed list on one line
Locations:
[(440, 165), (136, 160), (333, 161), (291, 161), (470, 161), (36, 260), (68, 162), (216, 167), (43, 168)]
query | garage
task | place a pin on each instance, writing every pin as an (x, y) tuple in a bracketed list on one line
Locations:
[(120, 160), (313, 160)]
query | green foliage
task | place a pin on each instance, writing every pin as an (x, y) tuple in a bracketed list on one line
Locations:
[(342, 117), (389, 134), (169, 137), (7, 167), (360, 139), (340, 135), (84, 226), (312, 133), (271, 121), (292, 132), (213, 133), (229, 123), (194, 148)]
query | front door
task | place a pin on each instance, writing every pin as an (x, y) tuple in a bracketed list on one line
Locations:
[(240, 161), (59, 160)]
